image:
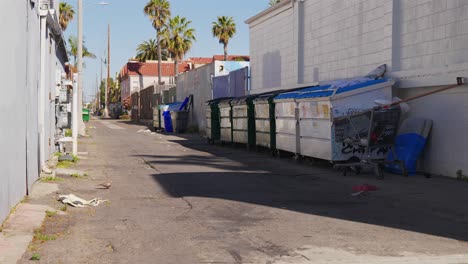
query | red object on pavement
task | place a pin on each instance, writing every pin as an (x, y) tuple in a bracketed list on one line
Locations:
[(365, 188)]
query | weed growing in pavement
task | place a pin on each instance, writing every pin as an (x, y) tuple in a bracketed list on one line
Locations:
[(35, 257), (51, 179), (79, 176), (39, 236), (50, 213), (64, 164), (63, 208), (12, 211), (32, 247), (75, 158), (461, 176)]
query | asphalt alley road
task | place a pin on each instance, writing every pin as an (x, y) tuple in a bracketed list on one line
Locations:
[(178, 200)]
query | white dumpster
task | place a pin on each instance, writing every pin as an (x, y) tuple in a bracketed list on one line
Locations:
[(304, 118), (319, 106), (287, 122)]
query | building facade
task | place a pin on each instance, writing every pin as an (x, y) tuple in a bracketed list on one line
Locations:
[(423, 43), (136, 76), (34, 59)]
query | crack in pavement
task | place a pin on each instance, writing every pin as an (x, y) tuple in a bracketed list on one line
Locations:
[(187, 202), (149, 164)]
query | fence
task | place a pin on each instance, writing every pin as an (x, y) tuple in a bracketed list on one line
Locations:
[(146, 103), (235, 84), (197, 83)]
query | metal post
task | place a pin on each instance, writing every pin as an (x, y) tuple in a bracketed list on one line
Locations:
[(106, 109), (75, 115), (81, 126)]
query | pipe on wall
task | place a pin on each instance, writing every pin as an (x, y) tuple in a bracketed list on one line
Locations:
[(41, 96)]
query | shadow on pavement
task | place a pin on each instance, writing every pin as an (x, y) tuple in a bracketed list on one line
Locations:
[(435, 206)]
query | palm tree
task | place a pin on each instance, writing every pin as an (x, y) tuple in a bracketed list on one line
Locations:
[(224, 29), (158, 12), (273, 2), (73, 42), (178, 38), (148, 50), (66, 15)]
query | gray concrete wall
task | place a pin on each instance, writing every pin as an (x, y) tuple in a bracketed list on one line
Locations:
[(197, 83), (20, 73), (32, 125), (13, 118)]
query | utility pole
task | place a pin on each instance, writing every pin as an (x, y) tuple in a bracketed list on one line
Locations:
[(106, 109), (75, 116), (81, 126), (96, 100)]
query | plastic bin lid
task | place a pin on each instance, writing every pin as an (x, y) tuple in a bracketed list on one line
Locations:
[(267, 96), (292, 93), (360, 85), (326, 90)]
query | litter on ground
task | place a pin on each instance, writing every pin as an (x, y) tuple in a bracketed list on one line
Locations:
[(76, 201)]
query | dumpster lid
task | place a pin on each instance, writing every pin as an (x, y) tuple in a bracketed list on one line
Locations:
[(217, 100), (269, 95), (243, 99), (340, 86)]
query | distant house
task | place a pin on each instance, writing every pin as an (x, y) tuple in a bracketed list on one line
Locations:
[(135, 76)]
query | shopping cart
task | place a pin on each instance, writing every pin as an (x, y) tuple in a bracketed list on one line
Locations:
[(370, 130)]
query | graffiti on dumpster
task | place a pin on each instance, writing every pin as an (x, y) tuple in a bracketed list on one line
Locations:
[(347, 148)]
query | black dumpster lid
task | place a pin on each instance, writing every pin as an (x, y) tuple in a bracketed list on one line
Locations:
[(217, 100), (243, 99)]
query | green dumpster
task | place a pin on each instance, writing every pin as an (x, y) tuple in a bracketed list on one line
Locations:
[(243, 120), (213, 120), (85, 114), (265, 122), (225, 117)]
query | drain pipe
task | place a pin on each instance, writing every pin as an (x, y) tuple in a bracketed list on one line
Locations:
[(42, 87), (300, 41)]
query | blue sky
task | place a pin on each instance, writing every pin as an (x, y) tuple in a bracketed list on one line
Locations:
[(130, 27)]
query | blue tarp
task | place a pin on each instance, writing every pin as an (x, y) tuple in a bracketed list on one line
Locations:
[(329, 89)]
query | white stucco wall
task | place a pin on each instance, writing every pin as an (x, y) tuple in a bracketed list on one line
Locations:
[(423, 42), (134, 84), (272, 50)]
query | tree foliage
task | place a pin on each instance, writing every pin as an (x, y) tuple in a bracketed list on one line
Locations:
[(178, 38), (273, 2), (114, 93), (73, 46), (224, 29), (158, 12), (148, 50), (66, 15)]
